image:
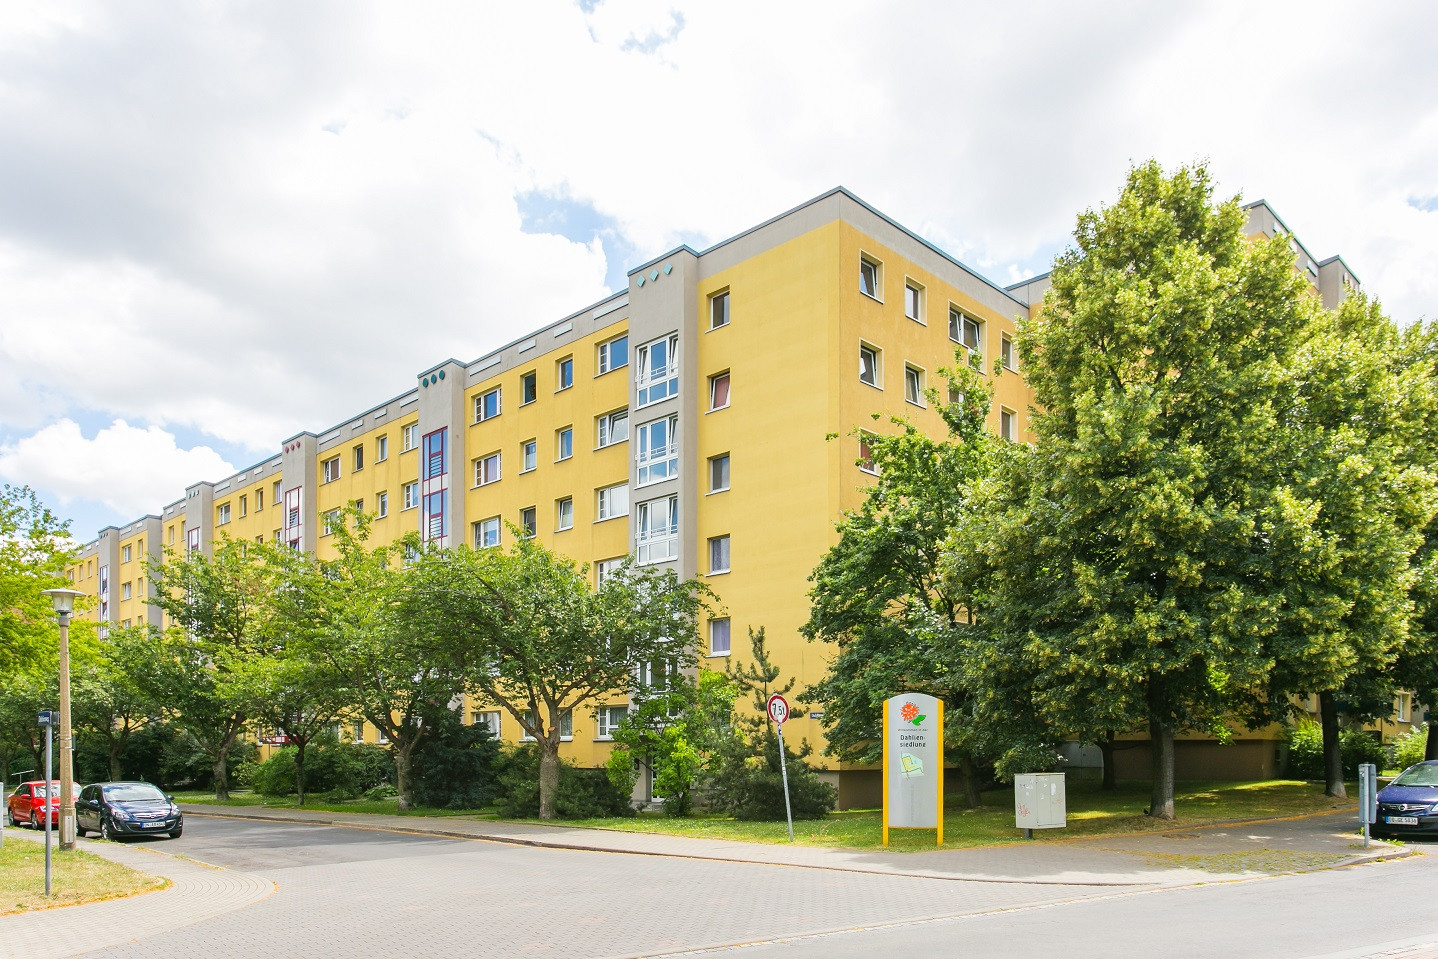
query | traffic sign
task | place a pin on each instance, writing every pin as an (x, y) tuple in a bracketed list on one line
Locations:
[(778, 708), (49, 718)]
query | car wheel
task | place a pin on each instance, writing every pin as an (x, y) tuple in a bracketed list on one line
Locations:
[(107, 830), (177, 833), (14, 819), (35, 822)]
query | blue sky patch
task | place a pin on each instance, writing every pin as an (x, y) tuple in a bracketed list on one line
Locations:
[(579, 222)]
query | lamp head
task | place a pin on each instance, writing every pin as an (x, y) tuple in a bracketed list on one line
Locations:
[(64, 599)]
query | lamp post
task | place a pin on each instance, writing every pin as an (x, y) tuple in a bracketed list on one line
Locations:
[(64, 600)]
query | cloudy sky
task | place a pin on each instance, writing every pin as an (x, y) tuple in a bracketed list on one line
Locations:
[(224, 223)]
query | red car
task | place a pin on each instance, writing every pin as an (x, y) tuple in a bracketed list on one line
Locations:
[(27, 804)]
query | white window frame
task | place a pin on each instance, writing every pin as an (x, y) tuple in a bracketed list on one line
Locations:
[(357, 461), (720, 547), (488, 532), (563, 514), (656, 383), (561, 381), (914, 385), (611, 502), (1008, 358), (607, 719), (714, 462), (728, 636), (914, 301), (562, 437), (480, 402), (126, 553), (528, 455), (714, 388), (222, 516), (528, 387), (409, 496), (491, 719), (606, 362), (719, 309), (409, 437), (487, 469), (656, 530), (876, 366), (872, 469), (1008, 424), (330, 470), (607, 428), (872, 276), (127, 590), (656, 463), (381, 504), (605, 568), (566, 719), (529, 525), (381, 448), (960, 323)]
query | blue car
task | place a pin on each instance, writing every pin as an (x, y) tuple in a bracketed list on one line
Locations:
[(1409, 804)]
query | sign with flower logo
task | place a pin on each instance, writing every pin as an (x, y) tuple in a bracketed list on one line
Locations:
[(913, 763)]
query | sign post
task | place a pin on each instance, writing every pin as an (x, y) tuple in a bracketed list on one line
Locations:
[(914, 764), (47, 719), (1367, 797), (778, 708)]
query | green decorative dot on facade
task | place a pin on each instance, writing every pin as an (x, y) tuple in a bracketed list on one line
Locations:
[(441, 374), (641, 281), (668, 268), (654, 276)]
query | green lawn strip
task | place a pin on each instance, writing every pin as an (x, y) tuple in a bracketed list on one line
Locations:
[(383, 807), (77, 877), (1091, 812)]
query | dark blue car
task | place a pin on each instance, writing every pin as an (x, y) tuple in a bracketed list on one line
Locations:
[(1409, 804), (117, 810)]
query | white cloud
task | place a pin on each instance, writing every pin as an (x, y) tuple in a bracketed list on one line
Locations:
[(122, 467)]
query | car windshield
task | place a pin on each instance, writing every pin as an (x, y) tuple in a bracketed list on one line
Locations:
[(133, 792), (41, 792), (1423, 775)]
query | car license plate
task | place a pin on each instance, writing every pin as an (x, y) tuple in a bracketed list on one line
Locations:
[(1401, 820), (160, 825)]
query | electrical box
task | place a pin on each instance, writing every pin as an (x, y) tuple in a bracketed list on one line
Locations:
[(1040, 801)]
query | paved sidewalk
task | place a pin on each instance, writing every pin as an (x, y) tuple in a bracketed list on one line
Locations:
[(1176, 858), (197, 892)]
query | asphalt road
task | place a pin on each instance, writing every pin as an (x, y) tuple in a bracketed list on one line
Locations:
[(362, 893)]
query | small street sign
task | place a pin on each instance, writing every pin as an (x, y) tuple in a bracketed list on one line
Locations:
[(778, 708), (49, 717)]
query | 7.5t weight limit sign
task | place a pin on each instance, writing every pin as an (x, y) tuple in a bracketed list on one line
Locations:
[(778, 708)]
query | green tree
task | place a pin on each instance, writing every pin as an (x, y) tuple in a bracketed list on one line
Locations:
[(881, 597), (108, 705), (1128, 566), (541, 643), (223, 616), (34, 551), (299, 697)]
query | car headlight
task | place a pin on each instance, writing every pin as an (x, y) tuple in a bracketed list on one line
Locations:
[(121, 814)]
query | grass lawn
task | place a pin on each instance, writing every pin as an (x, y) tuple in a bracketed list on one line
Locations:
[(316, 802), (1091, 812), (77, 877)]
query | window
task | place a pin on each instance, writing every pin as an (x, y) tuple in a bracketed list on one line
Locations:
[(486, 533), (564, 374), (613, 354), (718, 391), (658, 375), (718, 554), (719, 310), (605, 568), (965, 329), (609, 718), (331, 469), (1403, 707), (719, 637), (125, 551), (259, 499), (869, 277), (359, 505), (409, 437), (719, 473), (489, 719), (486, 405), (222, 516), (380, 737), (1008, 425), (528, 455), (657, 530), (358, 452), (566, 724), (330, 522), (563, 444), (125, 591), (914, 301), (869, 371), (528, 388), (244, 506), (486, 470), (381, 503), (613, 428), (1006, 352), (528, 522), (613, 501), (914, 385), (359, 731), (276, 497), (866, 456), (658, 453), (381, 449), (564, 513), (409, 495)]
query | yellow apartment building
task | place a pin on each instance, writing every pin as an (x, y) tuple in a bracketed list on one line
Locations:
[(683, 419)]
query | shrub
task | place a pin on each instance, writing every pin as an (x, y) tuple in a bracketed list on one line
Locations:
[(1409, 748), (1305, 750), (583, 793), (348, 769), (747, 783), (276, 775), (455, 766)]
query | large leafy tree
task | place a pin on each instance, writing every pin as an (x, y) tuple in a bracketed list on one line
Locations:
[(34, 551), (880, 596), (1130, 571), (540, 642), (108, 704), (222, 614)]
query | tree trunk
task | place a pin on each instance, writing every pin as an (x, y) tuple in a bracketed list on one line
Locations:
[(222, 779), (1106, 749), (1430, 750), (548, 775), (300, 770), (401, 753), (115, 748), (1160, 736), (969, 776), (1332, 748)]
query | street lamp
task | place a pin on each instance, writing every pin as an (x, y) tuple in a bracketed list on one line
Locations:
[(64, 600)]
